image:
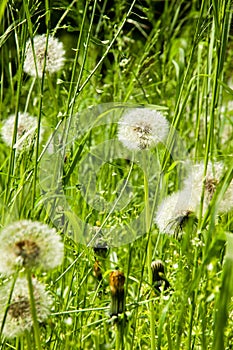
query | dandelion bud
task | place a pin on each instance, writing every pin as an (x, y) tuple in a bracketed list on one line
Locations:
[(101, 249), (159, 279), (117, 280)]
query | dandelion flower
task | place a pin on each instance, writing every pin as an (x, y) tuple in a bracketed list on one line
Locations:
[(28, 244), (26, 130), (174, 212), (142, 128), (19, 318), (55, 56), (195, 180)]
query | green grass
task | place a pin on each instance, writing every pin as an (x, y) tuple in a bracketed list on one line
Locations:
[(176, 55)]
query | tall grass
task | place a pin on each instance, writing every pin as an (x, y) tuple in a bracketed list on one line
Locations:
[(176, 55)]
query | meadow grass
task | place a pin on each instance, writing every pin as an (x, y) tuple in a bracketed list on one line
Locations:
[(177, 56)]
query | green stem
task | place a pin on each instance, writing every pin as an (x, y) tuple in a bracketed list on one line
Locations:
[(53, 94), (149, 259), (33, 310), (118, 337)]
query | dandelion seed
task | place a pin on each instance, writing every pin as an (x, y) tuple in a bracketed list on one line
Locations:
[(142, 128), (174, 213), (55, 56), (195, 180), (117, 280), (19, 318), (26, 130), (28, 244)]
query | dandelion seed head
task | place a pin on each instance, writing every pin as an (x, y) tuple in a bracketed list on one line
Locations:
[(142, 128), (26, 130), (19, 318), (55, 56), (28, 244), (226, 204), (195, 181), (173, 212)]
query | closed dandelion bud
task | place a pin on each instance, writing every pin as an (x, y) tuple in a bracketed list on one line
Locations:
[(29, 245), (117, 280), (159, 280), (142, 128), (18, 312), (101, 249)]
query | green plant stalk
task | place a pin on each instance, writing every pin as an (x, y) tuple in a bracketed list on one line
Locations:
[(149, 260), (52, 91), (71, 101), (28, 340), (33, 310), (118, 337)]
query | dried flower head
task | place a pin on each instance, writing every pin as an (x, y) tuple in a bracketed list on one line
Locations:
[(142, 128), (101, 248), (28, 244), (19, 318), (55, 55), (117, 280), (97, 271), (160, 282), (26, 130), (174, 212), (195, 181)]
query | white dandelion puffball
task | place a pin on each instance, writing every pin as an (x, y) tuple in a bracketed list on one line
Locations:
[(173, 212), (142, 128), (195, 180), (28, 244), (19, 318), (26, 130), (55, 55)]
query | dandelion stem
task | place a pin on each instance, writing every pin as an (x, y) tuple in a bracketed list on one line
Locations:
[(33, 310), (117, 343), (149, 259), (52, 91)]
